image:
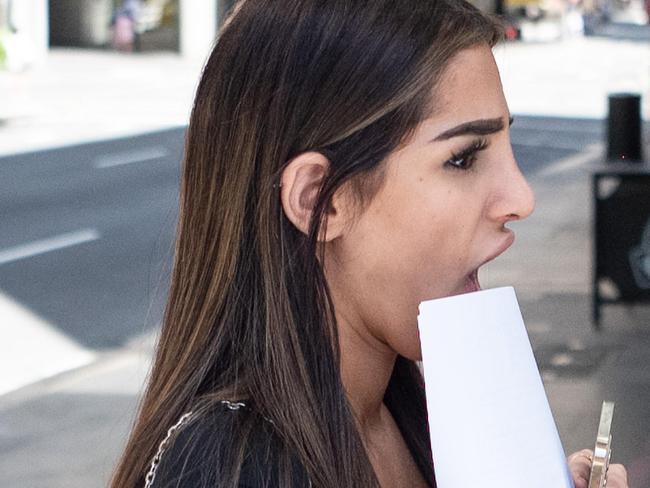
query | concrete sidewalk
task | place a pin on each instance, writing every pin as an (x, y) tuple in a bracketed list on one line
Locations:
[(67, 431), (86, 95)]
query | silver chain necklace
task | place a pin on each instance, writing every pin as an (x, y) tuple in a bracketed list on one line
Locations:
[(151, 474)]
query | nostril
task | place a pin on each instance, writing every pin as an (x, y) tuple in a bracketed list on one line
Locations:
[(511, 217)]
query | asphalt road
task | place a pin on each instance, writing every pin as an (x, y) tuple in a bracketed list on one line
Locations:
[(86, 234)]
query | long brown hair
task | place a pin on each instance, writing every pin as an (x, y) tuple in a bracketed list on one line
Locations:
[(249, 315)]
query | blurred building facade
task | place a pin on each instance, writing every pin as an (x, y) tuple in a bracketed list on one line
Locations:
[(28, 28)]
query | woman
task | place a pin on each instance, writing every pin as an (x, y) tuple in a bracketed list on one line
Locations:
[(345, 160)]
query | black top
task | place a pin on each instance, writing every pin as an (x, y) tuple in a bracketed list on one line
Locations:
[(203, 449)]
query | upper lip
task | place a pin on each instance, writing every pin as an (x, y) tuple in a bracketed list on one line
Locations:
[(505, 243)]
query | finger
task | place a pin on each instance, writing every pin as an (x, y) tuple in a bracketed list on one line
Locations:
[(617, 476), (582, 483), (580, 473), (582, 454), (580, 467), (581, 478)]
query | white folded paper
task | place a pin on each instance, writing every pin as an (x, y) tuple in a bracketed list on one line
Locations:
[(489, 418)]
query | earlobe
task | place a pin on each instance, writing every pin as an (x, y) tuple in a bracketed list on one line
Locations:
[(301, 181)]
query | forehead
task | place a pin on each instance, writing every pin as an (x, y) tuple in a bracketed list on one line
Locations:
[(469, 88)]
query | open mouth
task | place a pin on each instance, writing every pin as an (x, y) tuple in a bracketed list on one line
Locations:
[(471, 282)]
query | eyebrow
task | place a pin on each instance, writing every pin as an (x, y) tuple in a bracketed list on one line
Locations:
[(479, 127)]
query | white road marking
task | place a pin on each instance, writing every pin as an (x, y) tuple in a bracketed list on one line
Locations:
[(31, 349), (46, 245), (128, 157), (591, 153), (550, 145), (536, 123), (122, 373)]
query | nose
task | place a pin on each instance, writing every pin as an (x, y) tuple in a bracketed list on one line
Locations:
[(517, 199)]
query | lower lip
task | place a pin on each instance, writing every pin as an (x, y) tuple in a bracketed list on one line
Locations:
[(471, 283)]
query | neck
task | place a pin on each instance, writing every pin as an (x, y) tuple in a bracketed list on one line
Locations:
[(366, 367), (366, 360)]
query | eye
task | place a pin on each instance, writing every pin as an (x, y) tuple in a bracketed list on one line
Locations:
[(465, 159)]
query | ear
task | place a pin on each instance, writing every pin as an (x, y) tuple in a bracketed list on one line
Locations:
[(301, 181)]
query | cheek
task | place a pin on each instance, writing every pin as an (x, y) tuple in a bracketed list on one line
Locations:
[(425, 254), (417, 239), (408, 258), (433, 266)]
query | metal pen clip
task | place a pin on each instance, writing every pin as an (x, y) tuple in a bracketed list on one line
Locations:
[(603, 449)]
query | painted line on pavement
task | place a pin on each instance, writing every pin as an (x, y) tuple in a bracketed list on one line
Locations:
[(537, 123), (32, 349), (42, 246), (551, 145), (591, 153), (130, 157)]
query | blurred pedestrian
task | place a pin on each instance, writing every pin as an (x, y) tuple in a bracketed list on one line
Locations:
[(342, 164), (124, 25)]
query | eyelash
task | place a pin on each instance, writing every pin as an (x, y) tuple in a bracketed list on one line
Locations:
[(468, 154)]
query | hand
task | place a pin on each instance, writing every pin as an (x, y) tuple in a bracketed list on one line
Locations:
[(580, 466)]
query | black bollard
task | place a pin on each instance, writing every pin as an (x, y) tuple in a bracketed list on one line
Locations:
[(624, 127)]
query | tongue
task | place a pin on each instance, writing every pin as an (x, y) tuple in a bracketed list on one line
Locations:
[(472, 284)]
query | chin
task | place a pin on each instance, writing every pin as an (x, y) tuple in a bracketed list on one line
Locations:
[(417, 357), (411, 351), (407, 344)]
